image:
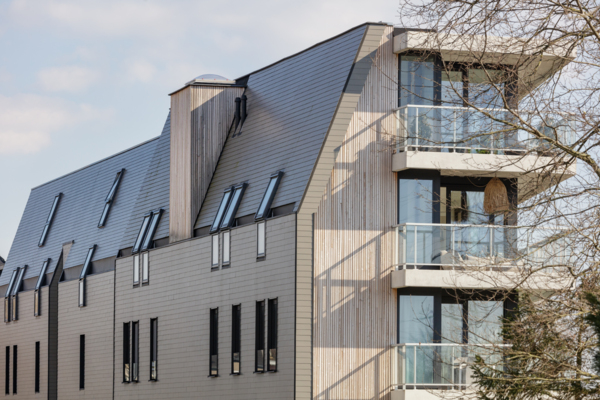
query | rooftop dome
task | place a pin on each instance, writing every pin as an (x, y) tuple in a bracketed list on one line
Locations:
[(211, 78)]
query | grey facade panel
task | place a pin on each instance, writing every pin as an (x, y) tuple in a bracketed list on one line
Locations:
[(290, 107), (154, 193), (76, 218)]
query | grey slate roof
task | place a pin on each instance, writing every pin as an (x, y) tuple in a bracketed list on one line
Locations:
[(290, 106), (154, 193), (76, 218)]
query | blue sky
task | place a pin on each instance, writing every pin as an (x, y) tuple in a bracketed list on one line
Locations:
[(81, 80)]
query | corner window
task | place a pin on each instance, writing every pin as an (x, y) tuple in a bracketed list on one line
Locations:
[(259, 362), (236, 199), (214, 342), (37, 310), (236, 338), (49, 220), (153, 349), (261, 239), (109, 199), (272, 337), (226, 248), (82, 277), (265, 205)]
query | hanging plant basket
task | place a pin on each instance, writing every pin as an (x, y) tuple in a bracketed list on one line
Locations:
[(495, 197)]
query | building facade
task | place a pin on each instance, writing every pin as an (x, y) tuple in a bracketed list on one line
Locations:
[(291, 234)]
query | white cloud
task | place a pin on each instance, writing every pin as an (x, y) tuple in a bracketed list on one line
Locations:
[(140, 70), (27, 122), (67, 79)]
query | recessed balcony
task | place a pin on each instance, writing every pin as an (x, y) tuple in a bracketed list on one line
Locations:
[(460, 141), (479, 256)]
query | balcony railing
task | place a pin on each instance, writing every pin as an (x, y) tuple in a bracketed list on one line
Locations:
[(465, 130), (448, 246), (441, 365)]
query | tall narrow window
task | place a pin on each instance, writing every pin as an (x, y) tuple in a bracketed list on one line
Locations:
[(82, 277), (16, 288), (135, 351), (14, 369), (141, 233), (136, 269), (261, 250), (37, 306), (226, 247), (272, 336), (236, 338), (145, 267), (126, 352), (37, 367), (148, 241), (153, 349), (82, 362), (9, 289), (236, 199), (7, 372), (214, 342), (109, 199), (265, 205), (215, 251), (221, 211), (259, 364), (49, 220)]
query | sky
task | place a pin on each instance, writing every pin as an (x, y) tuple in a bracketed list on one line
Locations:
[(81, 80)]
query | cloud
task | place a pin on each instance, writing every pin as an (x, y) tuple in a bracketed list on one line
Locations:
[(140, 70), (67, 79), (27, 121)]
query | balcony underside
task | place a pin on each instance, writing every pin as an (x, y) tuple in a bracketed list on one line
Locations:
[(477, 279), (488, 165), (422, 394)]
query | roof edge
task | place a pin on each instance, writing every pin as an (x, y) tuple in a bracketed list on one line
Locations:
[(313, 46)]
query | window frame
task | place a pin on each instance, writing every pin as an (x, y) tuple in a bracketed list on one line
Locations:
[(259, 335), (37, 368), (126, 352), (37, 302), (15, 291), (84, 274), (234, 204), (213, 363), (141, 233), (135, 352), (236, 339), (49, 220), (110, 198), (215, 251), (7, 371), (136, 269), (223, 206), (268, 196), (153, 349), (7, 312), (262, 224), (145, 268), (148, 240), (81, 362), (272, 333), (14, 367), (226, 249)]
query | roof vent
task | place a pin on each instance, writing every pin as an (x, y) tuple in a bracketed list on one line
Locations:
[(211, 79)]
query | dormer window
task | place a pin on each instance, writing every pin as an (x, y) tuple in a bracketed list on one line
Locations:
[(109, 199), (49, 220), (37, 309), (265, 205), (82, 277)]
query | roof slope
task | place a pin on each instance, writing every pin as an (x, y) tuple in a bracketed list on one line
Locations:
[(154, 193), (290, 107), (78, 213)]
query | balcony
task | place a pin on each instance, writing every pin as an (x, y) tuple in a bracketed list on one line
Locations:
[(478, 256), (420, 369), (461, 141)]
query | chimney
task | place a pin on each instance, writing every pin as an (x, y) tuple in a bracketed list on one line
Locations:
[(201, 115)]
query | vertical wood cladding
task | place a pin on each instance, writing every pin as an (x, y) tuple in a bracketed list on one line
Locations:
[(354, 304), (200, 120)]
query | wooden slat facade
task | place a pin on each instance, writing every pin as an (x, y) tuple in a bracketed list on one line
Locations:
[(200, 120), (354, 303)]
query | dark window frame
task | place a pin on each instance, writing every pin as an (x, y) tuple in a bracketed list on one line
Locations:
[(259, 346), (83, 276), (226, 249), (15, 291), (81, 362), (145, 266), (263, 255), (7, 371), (126, 352), (135, 351), (14, 374), (154, 349), (234, 204), (49, 220), (7, 313), (141, 233), (148, 241), (236, 339), (223, 206), (214, 265), (136, 268), (272, 333), (110, 198), (37, 301), (37, 367), (213, 356), (264, 207)]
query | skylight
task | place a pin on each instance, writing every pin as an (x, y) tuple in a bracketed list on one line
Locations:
[(148, 229), (267, 200), (11, 283), (221, 211), (19, 280), (141, 233), (49, 220), (109, 199), (88, 262), (40, 280), (229, 218)]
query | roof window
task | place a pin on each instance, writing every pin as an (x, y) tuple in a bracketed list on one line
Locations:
[(49, 220), (221, 211), (236, 199), (149, 226), (109, 199), (265, 205)]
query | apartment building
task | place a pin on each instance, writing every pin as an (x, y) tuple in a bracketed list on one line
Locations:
[(295, 233)]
